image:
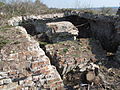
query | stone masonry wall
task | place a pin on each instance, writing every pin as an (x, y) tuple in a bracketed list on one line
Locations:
[(25, 66)]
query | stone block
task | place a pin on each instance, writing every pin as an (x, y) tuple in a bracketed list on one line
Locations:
[(7, 81)]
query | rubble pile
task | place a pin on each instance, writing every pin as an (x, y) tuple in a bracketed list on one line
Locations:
[(68, 55), (89, 78)]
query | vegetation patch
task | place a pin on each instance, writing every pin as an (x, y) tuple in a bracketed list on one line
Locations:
[(3, 41), (65, 50), (43, 43), (4, 28)]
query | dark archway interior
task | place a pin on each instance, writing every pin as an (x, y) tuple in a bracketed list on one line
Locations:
[(82, 24)]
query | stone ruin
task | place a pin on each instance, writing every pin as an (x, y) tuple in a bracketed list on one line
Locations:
[(28, 67)]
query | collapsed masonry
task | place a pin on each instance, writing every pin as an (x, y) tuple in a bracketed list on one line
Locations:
[(58, 28)]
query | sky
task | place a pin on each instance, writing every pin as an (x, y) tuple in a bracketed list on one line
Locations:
[(81, 3)]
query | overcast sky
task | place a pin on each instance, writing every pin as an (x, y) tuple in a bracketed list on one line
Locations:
[(81, 3)]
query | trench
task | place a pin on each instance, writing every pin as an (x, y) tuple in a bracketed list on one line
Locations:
[(104, 32)]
